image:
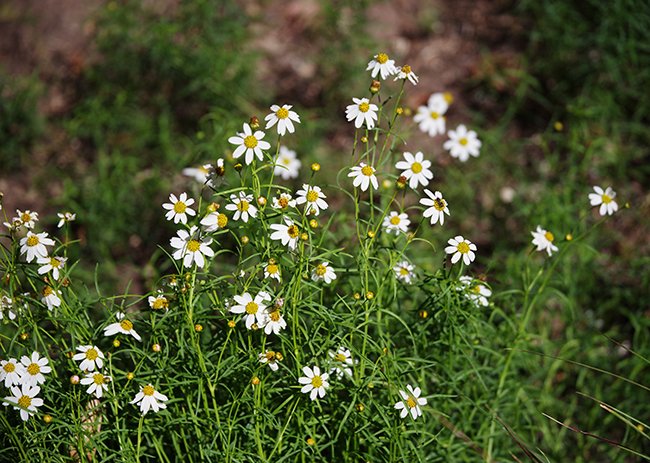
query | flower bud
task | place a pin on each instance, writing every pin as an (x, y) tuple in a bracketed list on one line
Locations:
[(364, 139), (24, 336), (399, 111), (315, 167), (371, 234), (261, 201), (423, 314), (130, 375), (449, 98), (245, 240), (313, 223), (116, 343), (558, 126), (370, 295), (304, 236), (74, 379), (213, 207), (569, 237), (311, 442), (156, 347), (356, 296), (238, 167), (279, 357), (254, 123), (231, 323), (375, 86), (255, 381), (401, 182), (360, 407), (47, 418)]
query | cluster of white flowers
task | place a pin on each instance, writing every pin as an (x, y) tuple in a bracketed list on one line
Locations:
[(22, 378)]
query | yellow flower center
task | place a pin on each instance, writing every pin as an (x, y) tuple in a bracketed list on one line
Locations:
[(395, 220), (33, 369), (272, 269), (448, 97), (275, 315), (321, 270), (364, 107), (282, 113), (367, 171), (25, 217), (606, 198), (411, 402), (91, 354), (222, 220), (193, 245), (340, 357), (403, 271), (439, 204), (317, 381), (312, 196), (270, 356), (24, 401), (148, 390), (54, 262), (251, 308), (416, 167), (98, 378), (463, 247), (250, 142), (549, 236), (283, 202), (406, 69), (434, 115), (476, 289), (9, 367), (179, 207), (243, 205), (382, 58), (47, 291), (463, 141), (126, 325), (293, 231), (32, 240), (160, 302)]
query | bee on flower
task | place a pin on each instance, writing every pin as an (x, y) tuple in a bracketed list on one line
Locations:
[(287, 233), (364, 176), (97, 383), (396, 223), (411, 402), (604, 199), (179, 208), (404, 271), (24, 399), (249, 144), (287, 165), (430, 118), (149, 399), (460, 247), (243, 206), (323, 272), (33, 245), (381, 64), (462, 143), (362, 112), (313, 197), (283, 117), (543, 239), (415, 169), (123, 325), (314, 382), (253, 308), (191, 248), (436, 207)]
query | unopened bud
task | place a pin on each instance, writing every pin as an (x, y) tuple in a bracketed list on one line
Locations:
[(245, 240), (156, 347), (371, 234), (238, 167), (304, 236), (569, 237), (401, 182), (213, 207), (360, 408), (315, 167), (313, 223), (255, 381), (24, 336), (370, 295), (261, 201), (364, 139), (375, 86), (116, 343), (231, 323), (399, 111), (74, 379), (423, 314), (47, 418), (310, 441), (254, 123)]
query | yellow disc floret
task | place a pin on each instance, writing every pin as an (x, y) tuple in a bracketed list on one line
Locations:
[(250, 142)]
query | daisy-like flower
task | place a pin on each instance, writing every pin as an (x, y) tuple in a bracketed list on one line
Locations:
[(270, 358), (381, 64), (274, 321), (314, 197), (415, 169), (544, 240), (253, 308), (284, 201), (344, 362), (91, 358), (10, 372), (7, 308), (148, 398), (411, 402), (462, 143), (436, 207), (65, 217), (396, 222), (362, 111), (201, 173), (191, 248), (405, 72), (51, 264), (272, 270), (287, 164), (314, 382), (34, 368), (24, 399), (284, 117), (97, 383), (404, 271), (430, 118), (214, 221), (158, 302), (33, 245), (363, 176), (27, 218), (288, 233), (179, 208), (323, 272), (460, 247), (249, 144), (475, 291), (51, 297), (243, 206), (604, 199), (123, 325)]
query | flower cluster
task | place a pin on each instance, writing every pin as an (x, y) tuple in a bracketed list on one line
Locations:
[(23, 378)]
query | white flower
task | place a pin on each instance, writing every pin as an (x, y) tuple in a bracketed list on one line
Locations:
[(411, 402), (363, 176), (314, 382), (51, 297), (33, 369), (269, 358), (344, 362), (250, 144), (65, 217), (7, 305), (179, 208), (383, 65), (283, 116), (27, 219), (544, 240), (430, 118), (404, 271), (475, 291), (415, 169), (51, 264), (362, 111), (253, 308), (201, 174), (158, 302), (97, 383), (10, 372), (272, 270), (323, 272), (462, 143), (288, 233), (123, 325), (24, 399), (284, 201), (604, 199), (149, 398), (407, 73), (191, 248), (214, 221), (273, 321), (396, 222), (460, 247), (287, 164), (33, 245), (314, 197), (91, 358), (436, 207), (243, 206)]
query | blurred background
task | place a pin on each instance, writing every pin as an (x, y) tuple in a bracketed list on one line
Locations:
[(103, 103)]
